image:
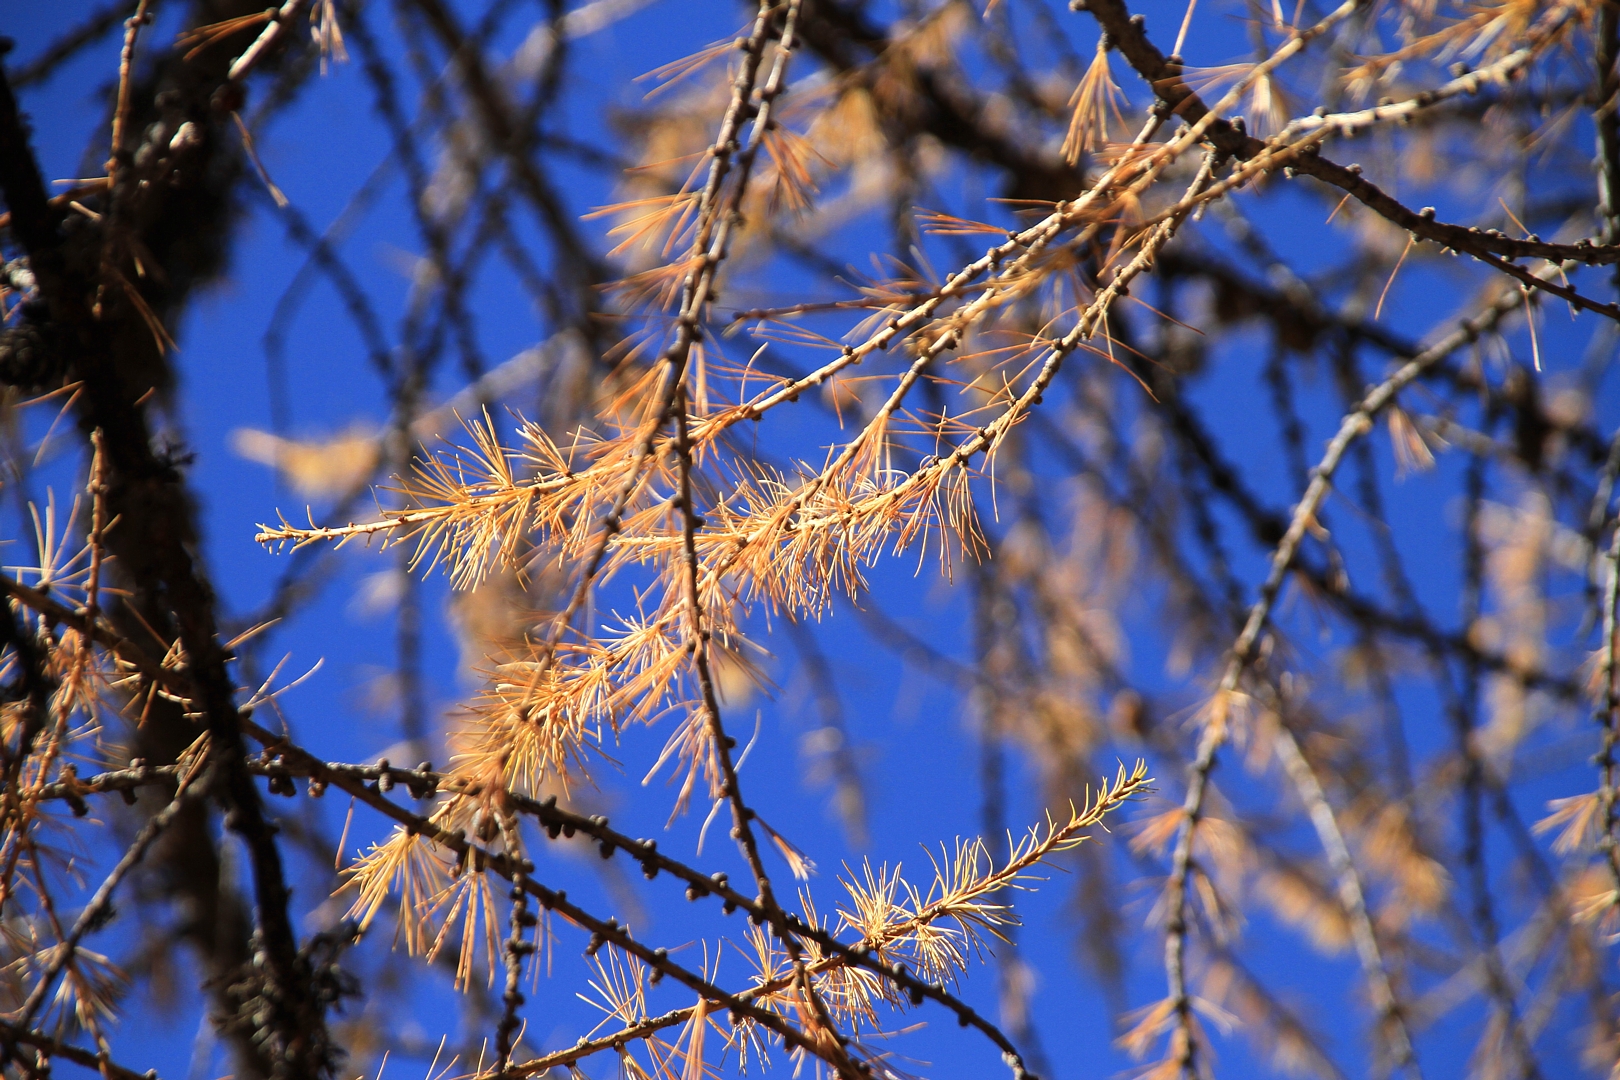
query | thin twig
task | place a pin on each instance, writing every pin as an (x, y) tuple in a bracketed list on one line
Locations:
[(1355, 424), (281, 21), (126, 63), (1607, 717), (12, 1034), (96, 909), (1392, 1023)]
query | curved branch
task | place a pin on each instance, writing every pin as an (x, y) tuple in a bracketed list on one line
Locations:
[(1355, 424)]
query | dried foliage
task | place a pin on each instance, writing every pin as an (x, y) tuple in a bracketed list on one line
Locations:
[(1130, 411)]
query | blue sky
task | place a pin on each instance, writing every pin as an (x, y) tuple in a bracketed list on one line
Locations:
[(913, 732)]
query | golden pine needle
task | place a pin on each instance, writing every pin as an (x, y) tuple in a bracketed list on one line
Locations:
[(1095, 99)]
